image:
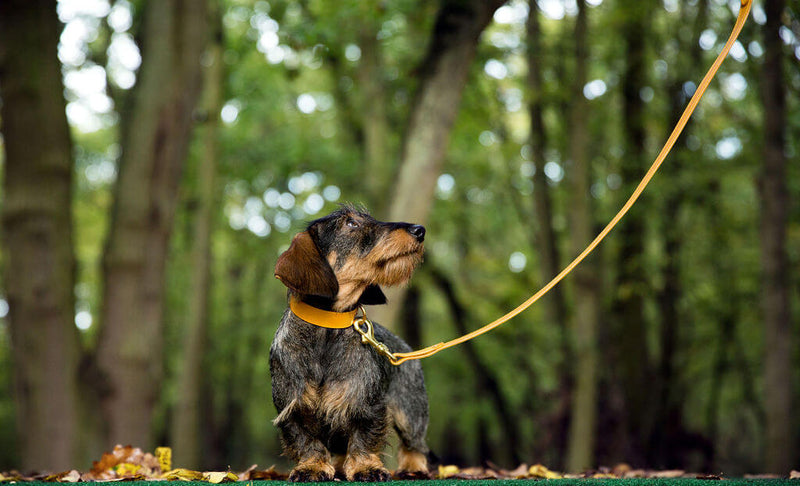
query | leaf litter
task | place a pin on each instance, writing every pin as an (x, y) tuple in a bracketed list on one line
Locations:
[(127, 463)]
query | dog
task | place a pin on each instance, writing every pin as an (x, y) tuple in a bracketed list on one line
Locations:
[(336, 397)]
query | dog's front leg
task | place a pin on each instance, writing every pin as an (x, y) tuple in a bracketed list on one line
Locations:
[(363, 461), (312, 457)]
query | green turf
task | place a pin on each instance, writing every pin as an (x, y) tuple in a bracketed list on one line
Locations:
[(505, 482)]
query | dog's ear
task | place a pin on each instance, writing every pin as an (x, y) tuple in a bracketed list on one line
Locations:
[(373, 295), (302, 269)]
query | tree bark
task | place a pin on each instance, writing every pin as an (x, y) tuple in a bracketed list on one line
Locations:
[(586, 284), (546, 238), (632, 286), (443, 76), (186, 423), (374, 121), (39, 269), (155, 135), (661, 449), (486, 380), (775, 304)]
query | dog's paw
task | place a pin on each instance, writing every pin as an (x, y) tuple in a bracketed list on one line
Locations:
[(316, 473), (372, 475), (412, 475)]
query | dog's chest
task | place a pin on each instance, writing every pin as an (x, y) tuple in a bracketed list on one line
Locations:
[(323, 358), (328, 373)]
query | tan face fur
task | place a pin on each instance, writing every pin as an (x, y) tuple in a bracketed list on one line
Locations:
[(357, 252)]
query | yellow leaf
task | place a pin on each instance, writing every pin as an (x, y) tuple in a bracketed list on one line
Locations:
[(447, 471), (10, 477), (539, 471), (126, 469), (164, 456), (182, 475), (220, 477)]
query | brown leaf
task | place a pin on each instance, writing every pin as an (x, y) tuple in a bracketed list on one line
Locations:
[(794, 474), (712, 477), (245, 475), (621, 469), (674, 473), (270, 474), (636, 473), (521, 472)]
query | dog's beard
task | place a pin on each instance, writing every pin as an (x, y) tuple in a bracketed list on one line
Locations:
[(398, 270)]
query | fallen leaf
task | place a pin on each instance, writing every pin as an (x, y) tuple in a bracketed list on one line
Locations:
[(126, 469), (621, 469), (183, 475), (674, 473), (270, 474), (712, 477), (447, 471), (220, 477), (539, 471), (636, 473), (794, 475), (246, 474), (71, 476), (10, 476), (164, 457), (521, 472)]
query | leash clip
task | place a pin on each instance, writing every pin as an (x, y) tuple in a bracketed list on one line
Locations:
[(368, 335)]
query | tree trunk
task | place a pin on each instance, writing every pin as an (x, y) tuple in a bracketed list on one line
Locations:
[(487, 383), (632, 286), (780, 439), (374, 122), (155, 135), (39, 268), (443, 76), (580, 452), (186, 423), (546, 238), (668, 404)]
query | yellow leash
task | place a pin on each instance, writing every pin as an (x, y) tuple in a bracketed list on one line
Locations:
[(397, 358)]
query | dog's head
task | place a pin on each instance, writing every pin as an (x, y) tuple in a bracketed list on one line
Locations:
[(347, 255)]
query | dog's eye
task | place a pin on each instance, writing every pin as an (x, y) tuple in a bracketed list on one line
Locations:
[(352, 224)]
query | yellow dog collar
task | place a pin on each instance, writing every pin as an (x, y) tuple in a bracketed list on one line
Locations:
[(321, 318)]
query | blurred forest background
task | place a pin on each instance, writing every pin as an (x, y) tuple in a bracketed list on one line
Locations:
[(158, 156)]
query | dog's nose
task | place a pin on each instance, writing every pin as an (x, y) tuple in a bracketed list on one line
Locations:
[(417, 232)]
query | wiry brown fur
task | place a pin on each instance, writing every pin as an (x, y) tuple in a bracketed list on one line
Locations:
[(336, 397)]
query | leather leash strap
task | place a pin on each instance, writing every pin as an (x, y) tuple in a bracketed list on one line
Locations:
[(744, 11)]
